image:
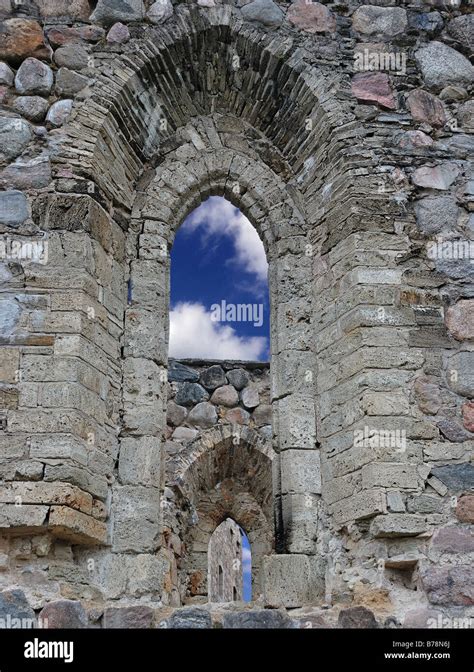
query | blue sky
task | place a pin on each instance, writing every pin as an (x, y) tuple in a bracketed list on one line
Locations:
[(246, 567), (217, 256)]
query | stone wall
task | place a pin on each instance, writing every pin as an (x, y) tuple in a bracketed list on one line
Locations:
[(225, 575), (344, 133)]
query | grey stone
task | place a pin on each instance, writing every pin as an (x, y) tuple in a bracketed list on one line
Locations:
[(203, 415), (466, 115), (184, 434), (262, 415), (34, 77), (160, 11), (441, 65), (213, 377), (371, 20), (239, 378), (397, 525), (59, 112), (13, 208), (435, 214), (456, 477), (73, 56), (34, 173), (250, 397), (425, 21), (33, 108), (135, 617), (461, 28), (357, 617), (175, 414), (453, 431), (69, 82), (189, 394), (118, 34), (225, 396), (263, 11), (266, 619), (64, 614), (14, 605), (15, 134), (461, 373), (449, 585), (439, 177), (190, 618), (6, 74), (110, 11), (178, 373)]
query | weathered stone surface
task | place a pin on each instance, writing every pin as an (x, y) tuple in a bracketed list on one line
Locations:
[(291, 580), (250, 397), (59, 112), (179, 373), (64, 614), (468, 415), (33, 108), (190, 618), (139, 616), (441, 65), (373, 87), (118, 34), (460, 319), (435, 214), (21, 38), (257, 620), (239, 378), (69, 82), (160, 11), (13, 208), (413, 140), (357, 617), (397, 525), (371, 20), (461, 28), (14, 605), (465, 509), (75, 9), (139, 460), (452, 430), (10, 311), (225, 396), (449, 585), (27, 174), (421, 618), (238, 416), (203, 415), (312, 17), (439, 177), (429, 21), (262, 415), (15, 134), (110, 11), (466, 116), (426, 108), (76, 527), (73, 56), (453, 539), (175, 414), (461, 373), (456, 477), (213, 377), (6, 74), (184, 434), (61, 35), (34, 77), (190, 393), (428, 395), (265, 12)]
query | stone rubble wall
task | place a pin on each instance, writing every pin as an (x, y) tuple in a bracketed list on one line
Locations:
[(359, 182)]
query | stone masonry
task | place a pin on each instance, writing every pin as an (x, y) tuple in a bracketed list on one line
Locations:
[(225, 563), (344, 132)]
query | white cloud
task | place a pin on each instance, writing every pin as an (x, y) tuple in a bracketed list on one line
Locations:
[(218, 216), (194, 334)]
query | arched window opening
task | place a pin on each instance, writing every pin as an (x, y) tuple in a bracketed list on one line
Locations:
[(219, 306)]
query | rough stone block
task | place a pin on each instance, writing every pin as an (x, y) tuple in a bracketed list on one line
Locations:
[(449, 585), (135, 617), (140, 461), (390, 475), (64, 614), (291, 580), (300, 472), (398, 525), (76, 527)]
